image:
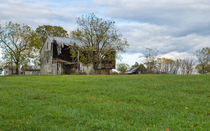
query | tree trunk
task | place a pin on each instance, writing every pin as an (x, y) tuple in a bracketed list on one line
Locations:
[(17, 67), (203, 69)]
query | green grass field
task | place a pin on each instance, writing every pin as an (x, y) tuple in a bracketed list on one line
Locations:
[(135, 102)]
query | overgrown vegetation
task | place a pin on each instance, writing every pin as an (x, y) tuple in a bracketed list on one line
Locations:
[(136, 102), (100, 39), (123, 67), (203, 56)]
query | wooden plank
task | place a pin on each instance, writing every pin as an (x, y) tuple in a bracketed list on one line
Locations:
[(64, 61)]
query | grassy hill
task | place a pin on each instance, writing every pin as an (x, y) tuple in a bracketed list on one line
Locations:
[(136, 102)]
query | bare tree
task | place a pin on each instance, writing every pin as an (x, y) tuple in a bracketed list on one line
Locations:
[(187, 65), (166, 65), (151, 62), (176, 66)]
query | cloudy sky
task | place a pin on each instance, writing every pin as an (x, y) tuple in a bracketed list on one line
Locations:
[(176, 28)]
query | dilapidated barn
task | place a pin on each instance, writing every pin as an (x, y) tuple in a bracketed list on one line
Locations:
[(56, 59)]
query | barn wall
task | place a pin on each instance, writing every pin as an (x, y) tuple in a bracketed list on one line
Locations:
[(57, 68), (32, 72), (87, 69), (47, 59)]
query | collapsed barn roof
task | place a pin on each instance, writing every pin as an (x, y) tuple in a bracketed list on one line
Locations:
[(64, 41), (61, 41)]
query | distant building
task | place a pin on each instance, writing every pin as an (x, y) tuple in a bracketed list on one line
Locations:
[(30, 71), (9, 70), (56, 59)]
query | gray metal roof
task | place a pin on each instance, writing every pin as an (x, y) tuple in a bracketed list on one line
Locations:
[(64, 40), (132, 70)]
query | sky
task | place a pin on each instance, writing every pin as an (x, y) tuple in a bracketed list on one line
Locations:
[(176, 28)]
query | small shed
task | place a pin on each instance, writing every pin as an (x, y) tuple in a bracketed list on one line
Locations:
[(9, 70), (134, 70)]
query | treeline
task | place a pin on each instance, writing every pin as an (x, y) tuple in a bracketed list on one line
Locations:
[(154, 65)]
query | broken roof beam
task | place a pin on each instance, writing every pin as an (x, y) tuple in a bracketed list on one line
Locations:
[(64, 61)]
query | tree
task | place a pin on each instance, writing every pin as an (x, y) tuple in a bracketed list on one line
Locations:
[(176, 67), (203, 56), (207, 68), (186, 65), (1, 65), (201, 69), (150, 63), (165, 65), (123, 67), (43, 32), (99, 37), (47, 30), (17, 43), (135, 65), (142, 68)]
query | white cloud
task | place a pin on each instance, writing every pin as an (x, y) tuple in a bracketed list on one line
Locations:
[(39, 12), (188, 15), (161, 38), (129, 58), (177, 55)]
